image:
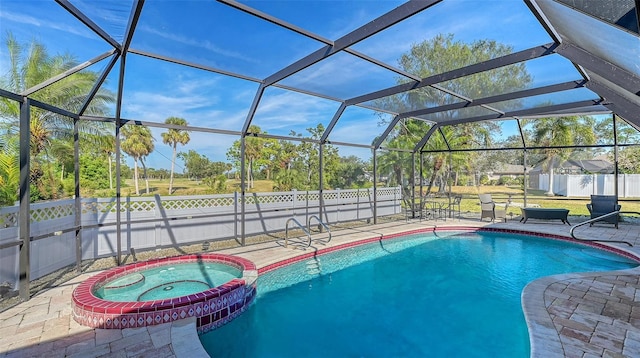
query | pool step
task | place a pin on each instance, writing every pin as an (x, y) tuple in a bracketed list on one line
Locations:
[(313, 267)]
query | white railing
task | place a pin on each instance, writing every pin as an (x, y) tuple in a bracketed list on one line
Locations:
[(154, 222)]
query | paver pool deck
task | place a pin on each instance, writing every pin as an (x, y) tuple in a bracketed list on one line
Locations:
[(570, 315)]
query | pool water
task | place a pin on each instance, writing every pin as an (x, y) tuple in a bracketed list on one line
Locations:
[(167, 281), (433, 295)]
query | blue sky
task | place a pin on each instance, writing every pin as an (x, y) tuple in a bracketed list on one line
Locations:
[(213, 34)]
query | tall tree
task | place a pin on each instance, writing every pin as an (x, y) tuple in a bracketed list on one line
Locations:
[(349, 174), (286, 178), (393, 163), (173, 137), (257, 153), (442, 161), (9, 171), (108, 148), (30, 65), (198, 166), (437, 55), (138, 143), (307, 161), (553, 133), (628, 160)]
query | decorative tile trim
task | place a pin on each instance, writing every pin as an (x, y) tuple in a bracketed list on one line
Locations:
[(220, 304), (305, 256), (327, 250), (593, 244)]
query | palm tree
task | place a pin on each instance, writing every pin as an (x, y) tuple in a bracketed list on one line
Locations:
[(31, 65), (9, 171), (173, 137), (253, 152), (550, 133), (107, 146), (395, 163), (62, 152), (138, 143), (437, 55)]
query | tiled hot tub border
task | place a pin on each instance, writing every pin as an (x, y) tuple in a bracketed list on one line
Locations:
[(327, 250), (212, 308)]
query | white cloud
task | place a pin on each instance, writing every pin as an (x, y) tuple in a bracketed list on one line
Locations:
[(198, 110), (196, 42), (32, 21), (291, 110), (361, 132), (468, 19)]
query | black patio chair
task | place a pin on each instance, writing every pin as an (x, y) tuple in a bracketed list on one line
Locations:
[(604, 204)]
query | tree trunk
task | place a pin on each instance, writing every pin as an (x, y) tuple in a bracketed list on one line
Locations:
[(110, 174), (135, 175), (550, 191), (250, 174), (144, 173), (173, 165), (398, 173), (437, 164)]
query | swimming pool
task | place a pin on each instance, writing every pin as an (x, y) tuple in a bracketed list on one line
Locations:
[(437, 294)]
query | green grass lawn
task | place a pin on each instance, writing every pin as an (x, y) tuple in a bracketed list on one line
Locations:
[(469, 203), (500, 194), (183, 186)]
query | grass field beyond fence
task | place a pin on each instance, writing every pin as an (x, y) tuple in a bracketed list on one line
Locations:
[(470, 202), (501, 194)]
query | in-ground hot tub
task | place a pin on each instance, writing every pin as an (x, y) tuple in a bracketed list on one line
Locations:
[(214, 288)]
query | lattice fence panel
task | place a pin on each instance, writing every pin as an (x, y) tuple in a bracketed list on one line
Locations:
[(197, 203), (103, 207), (8, 220), (138, 206), (269, 199), (388, 191), (90, 207), (363, 193), (330, 196), (348, 194), (314, 196), (53, 212)]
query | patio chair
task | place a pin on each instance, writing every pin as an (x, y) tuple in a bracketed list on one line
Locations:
[(489, 210), (604, 204)]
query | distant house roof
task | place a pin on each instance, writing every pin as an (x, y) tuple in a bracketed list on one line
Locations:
[(510, 169), (576, 166)]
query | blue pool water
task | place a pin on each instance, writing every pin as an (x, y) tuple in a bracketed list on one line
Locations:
[(433, 295), (167, 281)]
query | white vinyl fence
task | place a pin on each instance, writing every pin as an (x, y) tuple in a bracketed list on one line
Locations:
[(171, 221), (588, 184)]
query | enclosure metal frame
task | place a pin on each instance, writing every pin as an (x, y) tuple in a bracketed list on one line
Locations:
[(618, 89)]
